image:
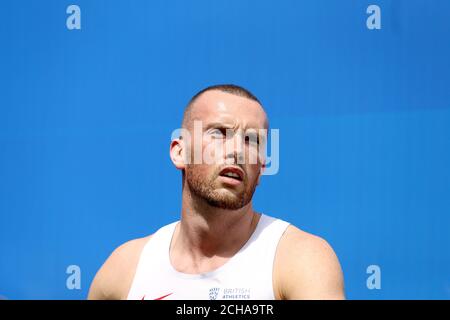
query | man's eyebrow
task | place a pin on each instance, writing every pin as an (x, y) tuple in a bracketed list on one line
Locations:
[(218, 125)]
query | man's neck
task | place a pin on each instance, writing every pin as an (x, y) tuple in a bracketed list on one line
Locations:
[(206, 232)]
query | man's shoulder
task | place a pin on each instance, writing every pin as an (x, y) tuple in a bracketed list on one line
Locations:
[(303, 242), (126, 256), (298, 246), (113, 280), (307, 266), (129, 249)]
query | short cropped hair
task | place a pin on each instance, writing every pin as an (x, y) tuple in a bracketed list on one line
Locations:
[(228, 88)]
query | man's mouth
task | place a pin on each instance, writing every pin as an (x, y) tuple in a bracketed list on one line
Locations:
[(232, 174)]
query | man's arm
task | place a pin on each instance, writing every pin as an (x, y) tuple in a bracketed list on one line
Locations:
[(113, 280), (306, 267)]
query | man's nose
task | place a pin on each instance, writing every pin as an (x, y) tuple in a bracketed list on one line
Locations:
[(234, 148)]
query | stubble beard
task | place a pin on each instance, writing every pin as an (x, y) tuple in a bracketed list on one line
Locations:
[(207, 190)]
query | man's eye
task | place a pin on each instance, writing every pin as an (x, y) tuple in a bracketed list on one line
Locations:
[(218, 133), (252, 139)]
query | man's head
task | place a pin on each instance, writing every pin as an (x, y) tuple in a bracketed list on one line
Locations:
[(231, 121)]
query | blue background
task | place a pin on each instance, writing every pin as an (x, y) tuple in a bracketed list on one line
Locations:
[(86, 117)]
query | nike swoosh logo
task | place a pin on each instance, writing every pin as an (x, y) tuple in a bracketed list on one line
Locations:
[(160, 298)]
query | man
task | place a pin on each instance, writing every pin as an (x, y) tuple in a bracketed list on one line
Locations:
[(221, 248)]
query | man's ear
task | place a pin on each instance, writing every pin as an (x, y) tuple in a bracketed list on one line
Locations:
[(177, 153)]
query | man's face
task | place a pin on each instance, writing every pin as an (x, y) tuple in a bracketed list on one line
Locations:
[(225, 121)]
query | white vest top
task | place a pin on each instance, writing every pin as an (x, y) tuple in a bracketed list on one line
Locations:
[(246, 275)]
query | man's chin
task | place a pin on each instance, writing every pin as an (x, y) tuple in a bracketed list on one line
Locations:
[(227, 206), (230, 194), (227, 200)]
